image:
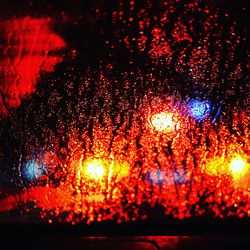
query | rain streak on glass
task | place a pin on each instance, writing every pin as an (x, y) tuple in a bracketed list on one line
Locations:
[(115, 111)]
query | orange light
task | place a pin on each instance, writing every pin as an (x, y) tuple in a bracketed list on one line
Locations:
[(239, 167), (163, 122)]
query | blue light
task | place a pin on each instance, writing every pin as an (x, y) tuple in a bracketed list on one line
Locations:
[(217, 113), (157, 176), (178, 178), (33, 171), (199, 110)]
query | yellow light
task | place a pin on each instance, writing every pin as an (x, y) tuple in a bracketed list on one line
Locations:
[(216, 166), (100, 168), (95, 169), (121, 170), (163, 122), (238, 167)]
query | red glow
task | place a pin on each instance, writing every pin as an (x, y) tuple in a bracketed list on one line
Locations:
[(106, 178), (83, 193), (160, 47), (29, 51)]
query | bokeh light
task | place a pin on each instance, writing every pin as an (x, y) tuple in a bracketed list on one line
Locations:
[(95, 169), (239, 167), (164, 122), (216, 166), (157, 176), (119, 169), (197, 109), (101, 168), (33, 170)]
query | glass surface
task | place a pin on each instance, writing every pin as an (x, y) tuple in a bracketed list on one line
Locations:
[(123, 111)]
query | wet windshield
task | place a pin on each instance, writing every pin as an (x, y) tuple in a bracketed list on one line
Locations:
[(123, 110)]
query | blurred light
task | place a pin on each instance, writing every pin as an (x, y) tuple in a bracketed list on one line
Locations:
[(119, 170), (32, 171), (95, 169), (217, 113), (163, 122), (198, 110), (216, 166), (100, 168), (238, 167), (157, 176), (179, 178), (96, 197)]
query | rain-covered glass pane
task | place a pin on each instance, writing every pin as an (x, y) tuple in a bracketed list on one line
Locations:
[(123, 111)]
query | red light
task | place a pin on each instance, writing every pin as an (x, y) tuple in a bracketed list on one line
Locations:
[(34, 44)]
